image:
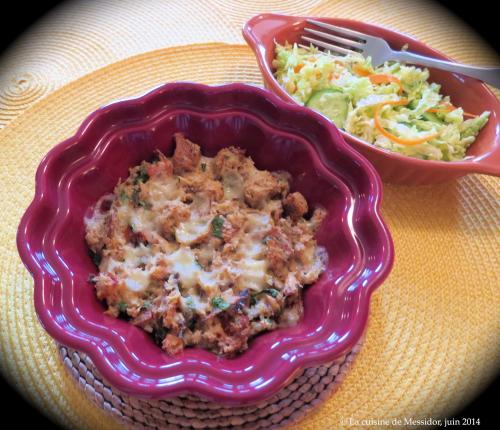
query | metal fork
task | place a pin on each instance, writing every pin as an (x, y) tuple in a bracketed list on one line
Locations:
[(380, 52)]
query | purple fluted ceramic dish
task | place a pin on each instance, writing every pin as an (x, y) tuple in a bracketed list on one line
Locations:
[(277, 135)]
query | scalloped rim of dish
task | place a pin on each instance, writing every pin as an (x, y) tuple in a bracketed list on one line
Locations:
[(485, 164), (211, 384)]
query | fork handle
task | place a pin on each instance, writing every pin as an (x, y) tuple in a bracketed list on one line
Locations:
[(489, 75)]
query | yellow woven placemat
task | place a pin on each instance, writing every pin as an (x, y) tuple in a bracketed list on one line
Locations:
[(433, 335), (432, 341), (80, 37)]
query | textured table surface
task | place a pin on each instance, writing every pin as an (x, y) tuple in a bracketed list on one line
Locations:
[(432, 340)]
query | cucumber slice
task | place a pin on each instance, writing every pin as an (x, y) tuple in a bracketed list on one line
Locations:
[(332, 103)]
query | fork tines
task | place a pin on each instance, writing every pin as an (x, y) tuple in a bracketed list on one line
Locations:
[(347, 43)]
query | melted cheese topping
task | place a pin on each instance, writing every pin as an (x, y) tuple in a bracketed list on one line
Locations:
[(164, 191), (180, 249), (252, 274), (192, 231), (137, 280), (233, 186), (183, 262)]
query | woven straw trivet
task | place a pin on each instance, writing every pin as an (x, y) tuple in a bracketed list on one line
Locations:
[(308, 389)]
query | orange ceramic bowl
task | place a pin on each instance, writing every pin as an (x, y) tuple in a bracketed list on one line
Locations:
[(262, 31)]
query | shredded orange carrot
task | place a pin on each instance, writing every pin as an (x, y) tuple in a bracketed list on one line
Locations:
[(383, 131), (361, 71), (448, 107), (436, 110), (471, 115), (385, 79), (443, 107), (332, 75), (377, 78), (298, 67)]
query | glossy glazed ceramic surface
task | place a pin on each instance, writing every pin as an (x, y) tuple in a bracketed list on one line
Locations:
[(277, 135), (483, 156)]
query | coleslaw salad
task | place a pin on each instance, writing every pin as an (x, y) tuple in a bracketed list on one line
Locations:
[(393, 106)]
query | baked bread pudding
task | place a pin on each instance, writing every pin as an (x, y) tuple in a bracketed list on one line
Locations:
[(202, 251)]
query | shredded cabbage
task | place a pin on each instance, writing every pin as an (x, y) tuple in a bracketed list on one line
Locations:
[(427, 113)]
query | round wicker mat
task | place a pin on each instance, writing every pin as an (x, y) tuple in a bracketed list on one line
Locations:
[(308, 389), (432, 341)]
